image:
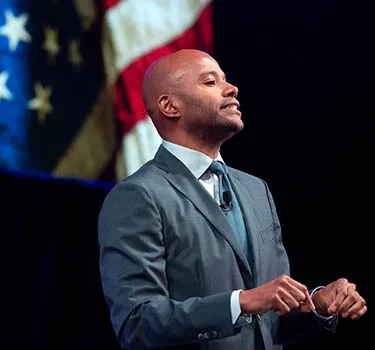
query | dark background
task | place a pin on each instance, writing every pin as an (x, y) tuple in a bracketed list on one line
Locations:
[(305, 71)]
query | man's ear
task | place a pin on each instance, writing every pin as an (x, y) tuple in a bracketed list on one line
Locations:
[(169, 106)]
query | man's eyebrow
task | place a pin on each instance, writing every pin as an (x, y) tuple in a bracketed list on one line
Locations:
[(211, 72)]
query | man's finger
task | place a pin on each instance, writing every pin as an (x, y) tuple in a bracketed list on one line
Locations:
[(301, 293), (339, 298)]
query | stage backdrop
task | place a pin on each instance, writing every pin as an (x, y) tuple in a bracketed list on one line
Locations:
[(306, 78), (307, 89)]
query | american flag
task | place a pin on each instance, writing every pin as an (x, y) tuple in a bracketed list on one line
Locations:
[(70, 80)]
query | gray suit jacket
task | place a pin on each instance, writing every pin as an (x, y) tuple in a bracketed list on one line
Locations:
[(169, 262)]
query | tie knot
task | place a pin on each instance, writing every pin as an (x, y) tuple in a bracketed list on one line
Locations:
[(217, 167)]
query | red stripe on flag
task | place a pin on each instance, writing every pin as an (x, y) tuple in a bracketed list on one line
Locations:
[(111, 3), (128, 88)]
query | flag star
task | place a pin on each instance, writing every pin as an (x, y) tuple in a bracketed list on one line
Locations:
[(41, 103), (4, 92), (86, 10), (51, 44), (75, 57), (14, 29)]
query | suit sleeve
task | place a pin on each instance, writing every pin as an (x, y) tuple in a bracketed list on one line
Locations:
[(134, 279)]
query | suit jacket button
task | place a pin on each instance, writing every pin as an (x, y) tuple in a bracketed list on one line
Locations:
[(201, 336), (207, 335)]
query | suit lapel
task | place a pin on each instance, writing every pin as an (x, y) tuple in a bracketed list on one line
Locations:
[(179, 176)]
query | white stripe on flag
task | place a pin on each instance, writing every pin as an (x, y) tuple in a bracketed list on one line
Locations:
[(139, 26), (138, 146)]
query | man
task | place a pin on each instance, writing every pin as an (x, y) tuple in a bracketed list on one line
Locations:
[(174, 272)]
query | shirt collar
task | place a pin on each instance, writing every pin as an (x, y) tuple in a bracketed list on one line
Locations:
[(197, 162)]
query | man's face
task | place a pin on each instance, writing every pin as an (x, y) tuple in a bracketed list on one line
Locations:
[(209, 103)]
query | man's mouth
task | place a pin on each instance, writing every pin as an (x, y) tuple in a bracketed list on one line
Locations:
[(232, 107)]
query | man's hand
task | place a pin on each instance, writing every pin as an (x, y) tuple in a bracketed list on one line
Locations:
[(281, 295), (340, 298)]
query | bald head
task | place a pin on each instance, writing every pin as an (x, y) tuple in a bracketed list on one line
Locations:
[(165, 75), (190, 102)]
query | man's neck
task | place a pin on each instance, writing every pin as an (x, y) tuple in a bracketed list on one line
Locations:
[(210, 151)]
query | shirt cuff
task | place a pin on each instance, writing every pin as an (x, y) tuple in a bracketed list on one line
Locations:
[(235, 307)]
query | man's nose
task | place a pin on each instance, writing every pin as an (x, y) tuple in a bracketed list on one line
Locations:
[(230, 90)]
